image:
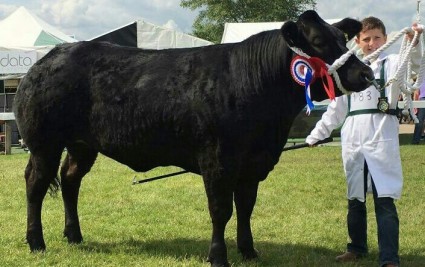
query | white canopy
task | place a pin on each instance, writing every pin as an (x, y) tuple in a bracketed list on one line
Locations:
[(24, 39), (236, 32), (143, 34), (22, 28)]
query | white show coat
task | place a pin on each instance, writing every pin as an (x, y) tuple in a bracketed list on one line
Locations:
[(372, 137)]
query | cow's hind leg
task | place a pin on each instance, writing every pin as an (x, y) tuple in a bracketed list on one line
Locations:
[(76, 164), (40, 173), (245, 197), (220, 206)]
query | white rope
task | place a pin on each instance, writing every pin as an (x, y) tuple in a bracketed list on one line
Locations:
[(340, 61), (336, 65), (298, 51), (401, 78), (404, 58), (420, 75)]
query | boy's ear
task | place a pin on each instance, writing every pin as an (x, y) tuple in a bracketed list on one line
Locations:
[(290, 33), (357, 40), (349, 26)]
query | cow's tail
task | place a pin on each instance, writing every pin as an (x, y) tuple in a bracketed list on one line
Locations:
[(53, 182), (54, 187)]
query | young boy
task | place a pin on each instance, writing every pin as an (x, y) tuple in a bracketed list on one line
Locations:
[(370, 149)]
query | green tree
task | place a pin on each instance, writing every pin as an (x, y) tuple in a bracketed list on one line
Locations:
[(213, 14)]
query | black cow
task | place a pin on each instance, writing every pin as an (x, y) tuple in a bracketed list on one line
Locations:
[(221, 111)]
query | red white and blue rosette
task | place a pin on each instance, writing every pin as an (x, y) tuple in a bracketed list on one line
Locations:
[(303, 73)]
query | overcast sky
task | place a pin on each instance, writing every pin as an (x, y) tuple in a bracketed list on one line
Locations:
[(88, 18)]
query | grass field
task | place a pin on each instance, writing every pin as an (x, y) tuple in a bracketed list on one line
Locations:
[(299, 219)]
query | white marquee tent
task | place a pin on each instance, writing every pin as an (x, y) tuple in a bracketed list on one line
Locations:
[(25, 29), (25, 38), (239, 31), (146, 35)]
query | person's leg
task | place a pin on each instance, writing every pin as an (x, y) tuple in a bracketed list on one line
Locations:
[(357, 227), (357, 222), (417, 133), (388, 229)]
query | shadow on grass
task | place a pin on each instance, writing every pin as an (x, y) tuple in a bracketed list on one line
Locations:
[(270, 254)]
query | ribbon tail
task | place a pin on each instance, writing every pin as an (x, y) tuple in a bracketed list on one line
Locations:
[(331, 89), (308, 79)]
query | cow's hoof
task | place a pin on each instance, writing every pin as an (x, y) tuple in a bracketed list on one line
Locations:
[(74, 237), (35, 241), (36, 246), (215, 263), (249, 254)]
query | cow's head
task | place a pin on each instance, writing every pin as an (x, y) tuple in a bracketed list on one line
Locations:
[(318, 39)]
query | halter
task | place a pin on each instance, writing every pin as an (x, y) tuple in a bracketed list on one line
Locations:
[(325, 70)]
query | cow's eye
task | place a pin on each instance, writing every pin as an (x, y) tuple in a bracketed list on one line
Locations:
[(318, 41)]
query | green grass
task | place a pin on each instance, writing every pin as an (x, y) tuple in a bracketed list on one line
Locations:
[(299, 218)]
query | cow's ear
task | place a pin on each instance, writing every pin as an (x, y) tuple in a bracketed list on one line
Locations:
[(290, 32), (349, 26)]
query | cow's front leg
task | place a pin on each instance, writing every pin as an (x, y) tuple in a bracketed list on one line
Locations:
[(220, 206), (245, 197)]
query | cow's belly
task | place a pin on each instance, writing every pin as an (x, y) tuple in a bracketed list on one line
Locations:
[(142, 158)]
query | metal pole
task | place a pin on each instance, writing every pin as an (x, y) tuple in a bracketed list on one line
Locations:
[(135, 181), (326, 140), (157, 178)]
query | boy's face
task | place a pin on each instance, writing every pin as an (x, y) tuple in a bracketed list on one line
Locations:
[(370, 40)]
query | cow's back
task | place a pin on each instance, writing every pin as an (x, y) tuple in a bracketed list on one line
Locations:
[(127, 103)]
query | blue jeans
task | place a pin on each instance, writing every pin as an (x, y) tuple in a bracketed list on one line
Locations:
[(388, 227), (419, 126)]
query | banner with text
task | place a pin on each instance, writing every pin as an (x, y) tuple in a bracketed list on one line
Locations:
[(16, 61)]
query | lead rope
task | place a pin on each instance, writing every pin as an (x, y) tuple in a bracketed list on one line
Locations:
[(409, 89), (332, 69), (402, 78)]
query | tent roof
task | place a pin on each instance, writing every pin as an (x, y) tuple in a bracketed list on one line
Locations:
[(22, 28), (143, 34), (239, 31)]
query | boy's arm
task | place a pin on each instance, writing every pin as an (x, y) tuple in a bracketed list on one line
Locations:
[(333, 117)]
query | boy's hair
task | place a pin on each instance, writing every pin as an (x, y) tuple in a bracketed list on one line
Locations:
[(371, 23)]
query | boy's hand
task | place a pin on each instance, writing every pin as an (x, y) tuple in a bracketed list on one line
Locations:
[(419, 28)]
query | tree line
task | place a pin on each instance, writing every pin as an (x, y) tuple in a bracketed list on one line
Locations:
[(213, 14)]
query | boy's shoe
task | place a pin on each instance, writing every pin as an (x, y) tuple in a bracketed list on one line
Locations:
[(347, 257)]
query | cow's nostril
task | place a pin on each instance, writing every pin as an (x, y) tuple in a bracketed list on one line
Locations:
[(367, 76), (373, 82)]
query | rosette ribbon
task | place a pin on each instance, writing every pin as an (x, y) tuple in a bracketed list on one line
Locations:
[(305, 71)]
